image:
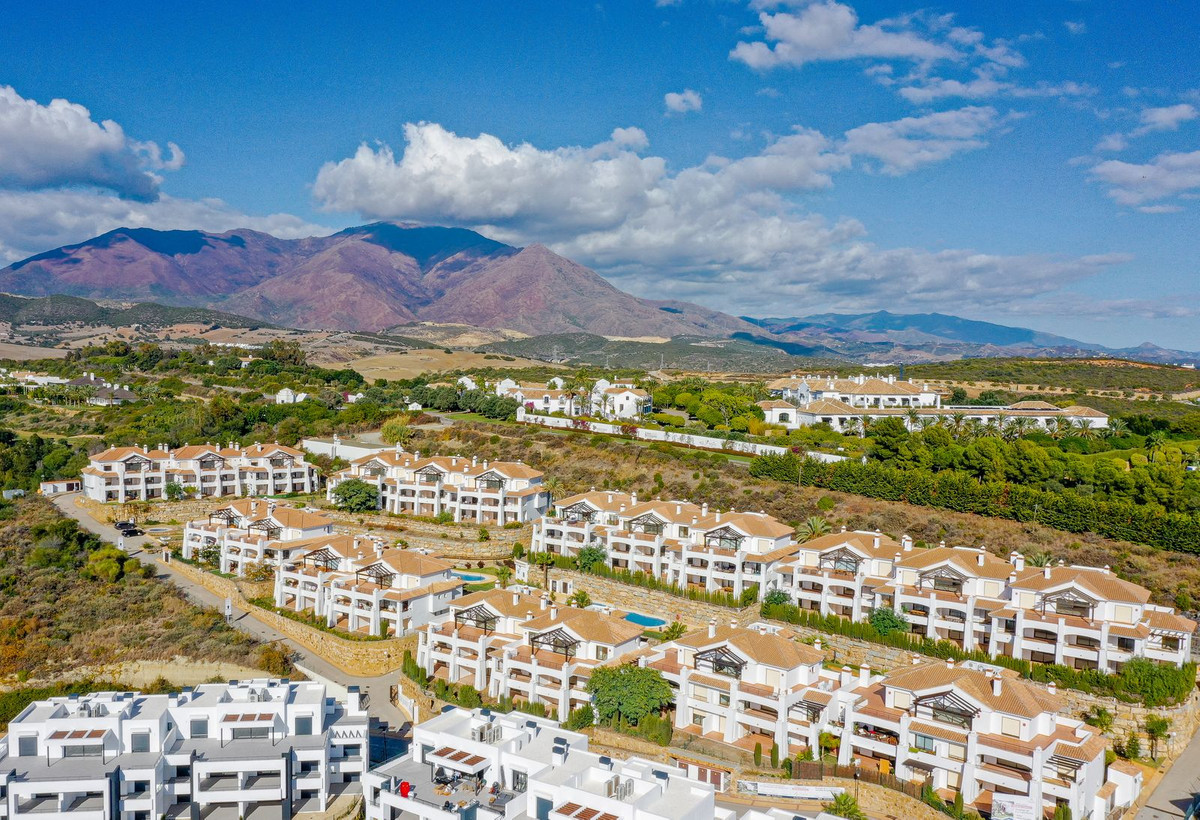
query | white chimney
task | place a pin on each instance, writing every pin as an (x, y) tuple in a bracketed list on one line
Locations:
[(762, 629), (979, 560), (916, 661), (516, 598), (949, 663), (1053, 687), (996, 686), (633, 498), (817, 644), (704, 509), (864, 675), (845, 676), (1046, 571), (712, 628), (545, 601), (1017, 560), (878, 536), (554, 612), (732, 624)]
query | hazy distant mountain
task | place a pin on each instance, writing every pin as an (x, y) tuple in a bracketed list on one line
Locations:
[(922, 336), (365, 278)]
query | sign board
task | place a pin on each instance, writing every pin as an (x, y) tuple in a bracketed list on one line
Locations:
[(796, 792), (228, 608), (1014, 807)]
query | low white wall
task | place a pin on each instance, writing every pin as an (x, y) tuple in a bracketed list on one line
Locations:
[(336, 448), (669, 436)]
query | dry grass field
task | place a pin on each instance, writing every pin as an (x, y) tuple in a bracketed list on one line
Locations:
[(24, 353), (415, 362)]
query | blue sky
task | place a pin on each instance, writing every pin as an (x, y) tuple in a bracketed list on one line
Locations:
[(1031, 163)]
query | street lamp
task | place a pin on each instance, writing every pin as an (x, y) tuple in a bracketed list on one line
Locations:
[(857, 775)]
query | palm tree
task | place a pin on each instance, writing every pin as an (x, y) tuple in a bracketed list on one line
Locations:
[(503, 573), (545, 560), (1117, 427), (1156, 441), (913, 418), (1039, 559), (851, 426), (957, 423), (813, 527), (1019, 426), (553, 486), (1062, 428)]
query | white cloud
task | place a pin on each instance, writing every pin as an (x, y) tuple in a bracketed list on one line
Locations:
[(729, 232), (830, 30), (1167, 118), (57, 145), (35, 221), (1112, 142), (682, 102), (1075, 26), (1167, 175), (903, 145)]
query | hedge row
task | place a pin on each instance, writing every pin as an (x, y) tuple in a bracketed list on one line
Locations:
[(963, 493)]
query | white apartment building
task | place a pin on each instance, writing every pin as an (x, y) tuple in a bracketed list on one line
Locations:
[(496, 493), (1082, 617), (355, 584), (845, 417), (680, 542), (251, 532), (985, 734), (859, 392), (484, 765), (507, 643), (220, 751), (140, 473), (748, 687)]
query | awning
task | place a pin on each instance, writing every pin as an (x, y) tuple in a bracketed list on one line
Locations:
[(460, 761)]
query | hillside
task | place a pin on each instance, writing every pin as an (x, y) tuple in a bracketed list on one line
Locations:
[(59, 310), (366, 278)]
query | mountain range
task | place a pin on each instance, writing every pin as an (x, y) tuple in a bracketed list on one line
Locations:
[(384, 275), (366, 278)]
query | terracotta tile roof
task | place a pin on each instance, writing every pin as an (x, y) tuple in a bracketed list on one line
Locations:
[(1016, 697), (1085, 750), (832, 407), (940, 730), (508, 469), (602, 500), (1079, 411), (778, 649), (1033, 405), (1170, 621), (859, 541), (121, 453), (1126, 767), (588, 624), (678, 512), (407, 562), (1095, 581), (500, 601), (776, 404), (965, 560), (753, 524)]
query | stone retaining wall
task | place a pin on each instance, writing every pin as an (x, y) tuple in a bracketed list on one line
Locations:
[(357, 658)]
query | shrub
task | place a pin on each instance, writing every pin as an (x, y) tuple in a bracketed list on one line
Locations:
[(580, 718)]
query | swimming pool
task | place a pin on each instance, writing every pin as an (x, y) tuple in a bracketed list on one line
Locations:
[(469, 578), (644, 620)]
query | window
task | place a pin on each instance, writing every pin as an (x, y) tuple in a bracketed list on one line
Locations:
[(1170, 643), (1010, 726), (304, 725), (683, 531), (141, 786), (252, 733), (139, 742), (83, 751), (520, 782), (924, 743), (199, 727), (723, 699), (697, 719), (27, 746), (601, 653), (1125, 644)]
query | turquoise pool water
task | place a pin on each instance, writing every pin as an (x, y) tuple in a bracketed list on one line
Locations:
[(644, 620), (470, 579)]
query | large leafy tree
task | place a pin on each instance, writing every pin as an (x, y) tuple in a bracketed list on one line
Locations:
[(354, 495), (628, 692)]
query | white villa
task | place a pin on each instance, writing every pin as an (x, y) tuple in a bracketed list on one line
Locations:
[(612, 401), (859, 392), (491, 766), (140, 473), (507, 643), (354, 583), (220, 751), (251, 532), (496, 493)]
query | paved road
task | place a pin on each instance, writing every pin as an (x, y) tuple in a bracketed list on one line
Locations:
[(1178, 787), (377, 689)]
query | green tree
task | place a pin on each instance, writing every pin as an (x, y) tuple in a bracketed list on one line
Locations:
[(1133, 746), (396, 431), (354, 495), (628, 692), (887, 620), (580, 599), (544, 560), (1101, 718), (844, 805), (1157, 728), (174, 491), (757, 754), (591, 556), (503, 574), (1062, 811), (674, 631), (580, 718), (813, 527), (777, 597)]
